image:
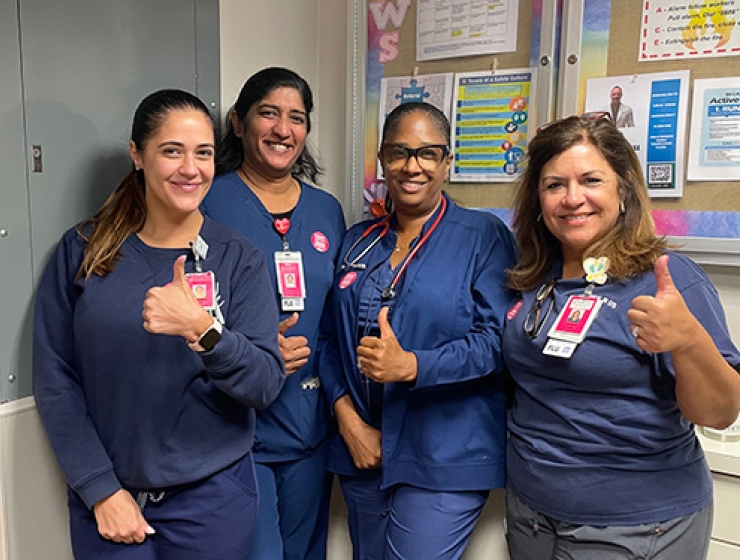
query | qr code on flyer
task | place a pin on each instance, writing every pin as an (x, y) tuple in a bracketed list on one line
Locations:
[(660, 175)]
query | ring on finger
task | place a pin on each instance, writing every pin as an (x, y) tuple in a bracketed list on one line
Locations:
[(635, 331)]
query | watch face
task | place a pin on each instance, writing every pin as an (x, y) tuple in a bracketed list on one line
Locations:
[(210, 339)]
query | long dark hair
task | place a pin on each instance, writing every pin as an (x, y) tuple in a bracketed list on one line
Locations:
[(124, 211), (230, 152)]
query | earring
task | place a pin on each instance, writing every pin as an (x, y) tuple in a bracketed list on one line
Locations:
[(621, 206), (539, 217)]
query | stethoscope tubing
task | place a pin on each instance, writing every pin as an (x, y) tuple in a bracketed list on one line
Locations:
[(390, 291)]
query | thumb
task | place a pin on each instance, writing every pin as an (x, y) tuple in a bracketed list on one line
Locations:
[(386, 331), (663, 278), (286, 324), (178, 271)]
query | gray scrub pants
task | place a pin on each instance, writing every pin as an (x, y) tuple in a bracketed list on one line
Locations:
[(534, 536)]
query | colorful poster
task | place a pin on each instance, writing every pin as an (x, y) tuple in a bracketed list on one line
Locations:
[(650, 111), (714, 145), (453, 28), (491, 124), (680, 29)]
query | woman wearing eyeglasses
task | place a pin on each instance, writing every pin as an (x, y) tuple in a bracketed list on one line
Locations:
[(603, 461), (412, 359)]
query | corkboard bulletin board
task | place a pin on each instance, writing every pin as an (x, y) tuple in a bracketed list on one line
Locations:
[(624, 33), (622, 59), (479, 195)]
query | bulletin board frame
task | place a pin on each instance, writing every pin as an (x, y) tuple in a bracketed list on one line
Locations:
[(560, 48)]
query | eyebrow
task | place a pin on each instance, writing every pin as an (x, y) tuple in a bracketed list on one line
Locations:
[(272, 106), (584, 174), (181, 145)]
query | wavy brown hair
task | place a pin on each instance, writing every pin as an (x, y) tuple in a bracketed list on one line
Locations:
[(124, 211), (631, 246)]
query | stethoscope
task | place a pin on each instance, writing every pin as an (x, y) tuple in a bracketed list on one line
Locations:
[(384, 225)]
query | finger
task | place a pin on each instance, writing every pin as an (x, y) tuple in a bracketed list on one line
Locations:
[(386, 332), (178, 270), (663, 278), (286, 324)]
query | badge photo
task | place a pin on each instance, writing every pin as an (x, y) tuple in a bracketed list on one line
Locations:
[(203, 286)]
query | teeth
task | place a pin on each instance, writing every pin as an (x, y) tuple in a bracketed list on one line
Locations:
[(581, 218), (279, 147)]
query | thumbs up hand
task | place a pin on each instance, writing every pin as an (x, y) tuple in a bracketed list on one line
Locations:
[(662, 323), (382, 359), (173, 309), (293, 349)]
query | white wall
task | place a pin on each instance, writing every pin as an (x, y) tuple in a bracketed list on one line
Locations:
[(307, 36)]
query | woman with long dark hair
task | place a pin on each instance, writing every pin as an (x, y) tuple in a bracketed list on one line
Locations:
[(155, 339), (265, 169)]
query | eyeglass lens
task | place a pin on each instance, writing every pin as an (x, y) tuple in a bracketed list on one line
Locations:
[(397, 155), (535, 318)]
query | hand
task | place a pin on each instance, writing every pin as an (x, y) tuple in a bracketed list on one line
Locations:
[(294, 349), (363, 441), (120, 520), (173, 309), (382, 359), (663, 323)]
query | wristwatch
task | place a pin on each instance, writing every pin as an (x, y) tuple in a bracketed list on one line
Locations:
[(208, 340)]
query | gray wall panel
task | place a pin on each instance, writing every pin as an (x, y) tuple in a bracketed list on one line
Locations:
[(15, 244), (85, 65)]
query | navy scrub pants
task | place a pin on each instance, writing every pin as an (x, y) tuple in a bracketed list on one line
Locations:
[(293, 518), (213, 519), (408, 523)]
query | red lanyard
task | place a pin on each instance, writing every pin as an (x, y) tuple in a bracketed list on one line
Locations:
[(390, 291)]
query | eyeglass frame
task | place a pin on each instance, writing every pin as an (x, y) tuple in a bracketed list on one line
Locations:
[(588, 115), (414, 152), (533, 323)]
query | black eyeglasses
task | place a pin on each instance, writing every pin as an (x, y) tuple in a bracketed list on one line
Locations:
[(428, 156), (537, 317), (589, 116)]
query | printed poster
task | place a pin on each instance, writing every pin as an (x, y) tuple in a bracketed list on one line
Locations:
[(651, 114), (491, 124), (681, 29), (714, 145), (453, 28)]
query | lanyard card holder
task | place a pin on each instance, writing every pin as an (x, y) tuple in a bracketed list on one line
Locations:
[(290, 279)]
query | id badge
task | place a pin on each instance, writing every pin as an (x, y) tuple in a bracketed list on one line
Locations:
[(291, 283), (574, 320), (203, 285)]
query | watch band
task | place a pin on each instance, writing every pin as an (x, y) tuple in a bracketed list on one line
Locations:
[(208, 340)]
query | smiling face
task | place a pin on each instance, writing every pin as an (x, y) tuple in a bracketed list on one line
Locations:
[(415, 183), (616, 95), (178, 163), (580, 199), (273, 132)]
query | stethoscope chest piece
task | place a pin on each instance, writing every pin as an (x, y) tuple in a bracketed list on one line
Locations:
[(389, 293)]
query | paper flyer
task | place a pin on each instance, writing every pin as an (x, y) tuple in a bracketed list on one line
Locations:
[(680, 29), (714, 145), (465, 28), (650, 111), (491, 124)]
